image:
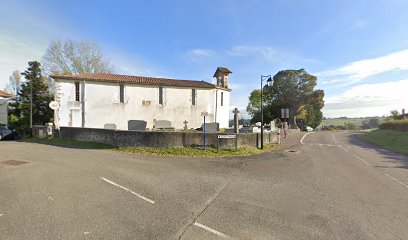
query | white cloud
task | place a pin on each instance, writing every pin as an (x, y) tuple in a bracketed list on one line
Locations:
[(15, 54), (360, 70), (244, 51), (199, 54), (359, 24), (368, 100)]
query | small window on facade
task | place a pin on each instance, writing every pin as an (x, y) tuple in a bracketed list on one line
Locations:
[(222, 98), (77, 91), (193, 97), (121, 93), (161, 95)]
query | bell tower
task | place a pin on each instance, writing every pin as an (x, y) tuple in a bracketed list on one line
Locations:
[(221, 74)]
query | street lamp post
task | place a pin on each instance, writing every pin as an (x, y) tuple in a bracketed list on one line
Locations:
[(269, 82), (31, 105)]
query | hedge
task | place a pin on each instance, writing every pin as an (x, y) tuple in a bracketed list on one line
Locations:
[(398, 125)]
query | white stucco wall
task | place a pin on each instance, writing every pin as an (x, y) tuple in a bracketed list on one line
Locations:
[(102, 105)]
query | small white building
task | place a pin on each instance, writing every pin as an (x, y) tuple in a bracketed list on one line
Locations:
[(4, 97), (99, 100)]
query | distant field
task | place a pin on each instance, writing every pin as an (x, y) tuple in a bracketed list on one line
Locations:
[(342, 121)]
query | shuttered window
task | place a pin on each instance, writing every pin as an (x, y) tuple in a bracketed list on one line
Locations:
[(193, 97), (222, 99), (121, 93), (77, 93), (161, 95)]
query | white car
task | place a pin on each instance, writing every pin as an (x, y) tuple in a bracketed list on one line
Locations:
[(309, 129)]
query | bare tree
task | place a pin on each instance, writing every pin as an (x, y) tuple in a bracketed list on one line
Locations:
[(73, 57), (13, 87)]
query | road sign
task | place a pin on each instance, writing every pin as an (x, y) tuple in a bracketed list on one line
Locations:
[(226, 136), (285, 113), (204, 114), (54, 105)]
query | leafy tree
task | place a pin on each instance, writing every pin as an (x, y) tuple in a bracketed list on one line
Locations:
[(293, 89), (73, 57), (350, 126), (370, 123), (14, 84), (395, 115), (20, 109), (254, 104)]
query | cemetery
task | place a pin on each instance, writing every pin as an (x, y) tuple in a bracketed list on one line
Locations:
[(163, 135)]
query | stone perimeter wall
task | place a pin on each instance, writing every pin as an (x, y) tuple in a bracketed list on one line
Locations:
[(162, 139)]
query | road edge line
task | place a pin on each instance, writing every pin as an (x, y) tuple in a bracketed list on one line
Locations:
[(128, 190), (211, 230), (398, 181), (304, 136)]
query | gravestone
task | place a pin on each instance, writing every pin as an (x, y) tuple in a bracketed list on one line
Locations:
[(185, 125), (273, 126), (162, 124), (111, 126), (250, 129), (137, 125), (211, 127)]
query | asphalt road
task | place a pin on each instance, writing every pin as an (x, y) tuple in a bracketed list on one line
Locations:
[(328, 186)]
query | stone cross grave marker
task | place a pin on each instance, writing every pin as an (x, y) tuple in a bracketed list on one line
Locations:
[(185, 125), (236, 120)]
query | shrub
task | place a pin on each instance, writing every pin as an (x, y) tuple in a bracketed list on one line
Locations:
[(398, 125)]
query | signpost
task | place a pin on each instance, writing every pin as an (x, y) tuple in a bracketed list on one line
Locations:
[(285, 115), (54, 105), (204, 114), (227, 137)]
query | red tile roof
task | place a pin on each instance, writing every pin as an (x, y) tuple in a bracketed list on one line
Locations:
[(107, 77), (4, 94), (222, 69)]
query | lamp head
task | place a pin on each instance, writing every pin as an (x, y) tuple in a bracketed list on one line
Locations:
[(269, 82)]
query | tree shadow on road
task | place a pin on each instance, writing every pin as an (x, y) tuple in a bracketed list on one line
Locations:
[(399, 160)]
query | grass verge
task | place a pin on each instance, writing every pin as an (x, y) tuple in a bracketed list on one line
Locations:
[(392, 140), (190, 152)]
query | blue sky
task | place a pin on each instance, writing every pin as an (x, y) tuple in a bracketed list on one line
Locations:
[(358, 49)]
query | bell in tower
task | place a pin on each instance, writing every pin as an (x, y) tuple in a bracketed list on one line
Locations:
[(221, 74)]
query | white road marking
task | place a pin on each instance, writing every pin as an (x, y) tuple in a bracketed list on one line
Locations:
[(128, 190), (334, 139), (398, 181), (303, 138), (364, 161), (211, 230), (85, 233), (1, 214)]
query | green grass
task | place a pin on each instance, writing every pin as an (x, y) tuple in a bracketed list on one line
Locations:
[(190, 152), (395, 141)]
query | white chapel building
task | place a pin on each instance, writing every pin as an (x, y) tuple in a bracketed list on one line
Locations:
[(99, 100), (4, 98)]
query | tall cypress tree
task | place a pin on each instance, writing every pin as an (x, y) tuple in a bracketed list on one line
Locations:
[(35, 86)]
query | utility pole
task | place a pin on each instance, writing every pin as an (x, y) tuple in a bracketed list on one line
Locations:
[(31, 104), (269, 82)]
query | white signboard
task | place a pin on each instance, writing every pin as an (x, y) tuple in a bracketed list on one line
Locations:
[(54, 105), (204, 114), (226, 136), (285, 113)]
